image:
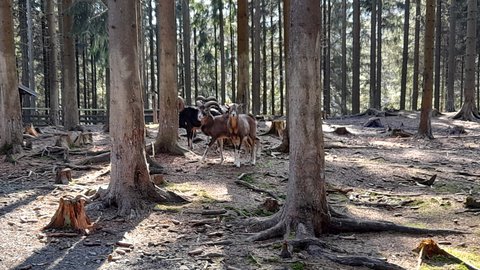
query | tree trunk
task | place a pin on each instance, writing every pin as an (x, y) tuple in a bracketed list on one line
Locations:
[(256, 71), (130, 180), (52, 63), (186, 51), (23, 33), (356, 58), (373, 52), (416, 55), (215, 49), (378, 84), (406, 28), (45, 56), (195, 61), (344, 59), (425, 127), (438, 46), (280, 52), (306, 209), (469, 111), (69, 97), (10, 110), (31, 56), (285, 145), (242, 47), (223, 74), (166, 140), (452, 65), (272, 62), (231, 9), (151, 43), (70, 215), (264, 58), (326, 90)]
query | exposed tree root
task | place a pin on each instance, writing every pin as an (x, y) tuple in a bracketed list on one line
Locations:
[(174, 149), (105, 157), (278, 225), (468, 113), (357, 225)]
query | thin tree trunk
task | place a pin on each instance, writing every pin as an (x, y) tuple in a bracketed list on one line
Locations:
[(52, 60), (280, 46), (272, 62), (438, 46), (31, 72), (425, 127), (406, 28), (242, 51), (85, 81), (356, 58), (186, 51), (45, 56), (215, 54), (264, 58), (231, 9), (344, 59), (195, 61), (153, 85), (256, 71), (378, 84), (373, 53), (416, 55), (223, 74), (452, 65), (327, 27)]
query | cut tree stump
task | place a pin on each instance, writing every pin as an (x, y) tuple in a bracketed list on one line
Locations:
[(277, 128), (71, 215), (342, 131), (64, 140), (374, 122), (64, 176), (83, 138)]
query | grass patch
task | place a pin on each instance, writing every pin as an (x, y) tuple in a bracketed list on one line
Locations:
[(168, 208), (248, 178), (441, 263), (448, 187), (181, 187), (205, 197), (472, 257)]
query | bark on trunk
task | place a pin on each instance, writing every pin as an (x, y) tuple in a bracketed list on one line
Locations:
[(242, 47), (406, 28), (166, 140), (452, 67), (373, 52), (52, 63), (469, 111), (356, 58), (222, 54), (425, 127), (256, 71), (416, 56), (344, 59), (10, 110), (130, 180), (186, 51), (438, 46), (69, 97)]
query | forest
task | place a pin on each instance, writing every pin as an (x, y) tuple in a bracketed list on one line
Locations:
[(262, 134)]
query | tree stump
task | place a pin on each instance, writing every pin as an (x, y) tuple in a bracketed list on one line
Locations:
[(342, 131), (64, 140), (64, 176), (277, 128), (71, 215), (374, 122), (84, 138)]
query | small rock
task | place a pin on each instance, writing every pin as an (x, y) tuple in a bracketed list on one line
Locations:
[(120, 251), (348, 237), (463, 244), (184, 267), (92, 253), (176, 222), (112, 258)]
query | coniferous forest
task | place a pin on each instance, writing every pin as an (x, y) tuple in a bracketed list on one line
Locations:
[(261, 134)]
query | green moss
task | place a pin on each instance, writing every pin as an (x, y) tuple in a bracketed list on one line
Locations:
[(205, 197), (248, 178), (6, 148), (297, 266)]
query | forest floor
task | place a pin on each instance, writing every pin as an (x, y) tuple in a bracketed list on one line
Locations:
[(370, 175)]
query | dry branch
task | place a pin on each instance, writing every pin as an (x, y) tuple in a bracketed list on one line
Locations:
[(257, 189)]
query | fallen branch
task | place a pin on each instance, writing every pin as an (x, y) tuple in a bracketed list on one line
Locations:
[(257, 189), (105, 157)]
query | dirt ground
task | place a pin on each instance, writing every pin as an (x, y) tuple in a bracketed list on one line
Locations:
[(370, 175)]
